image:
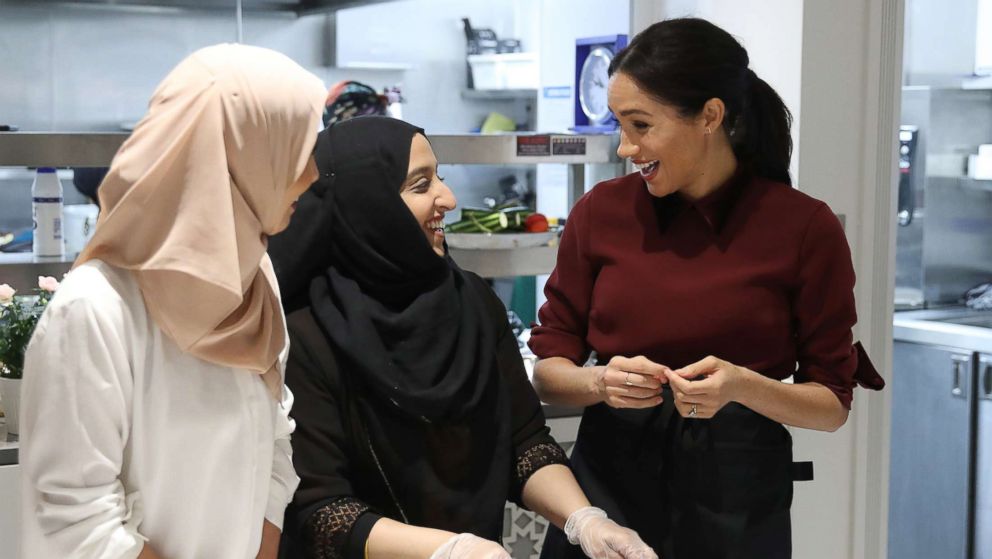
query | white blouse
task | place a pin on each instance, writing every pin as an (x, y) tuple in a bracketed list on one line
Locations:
[(127, 439)]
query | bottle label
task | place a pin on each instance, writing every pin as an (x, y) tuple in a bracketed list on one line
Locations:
[(39, 200)]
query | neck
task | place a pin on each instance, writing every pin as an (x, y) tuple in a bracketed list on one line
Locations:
[(718, 165)]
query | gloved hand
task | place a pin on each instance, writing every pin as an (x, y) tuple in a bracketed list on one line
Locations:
[(468, 546), (601, 538)]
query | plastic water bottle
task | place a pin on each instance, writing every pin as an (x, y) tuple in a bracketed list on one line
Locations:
[(46, 194)]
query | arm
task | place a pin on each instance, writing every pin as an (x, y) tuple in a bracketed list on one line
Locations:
[(808, 405), (76, 421), (394, 540), (553, 493), (824, 314), (560, 340), (333, 521), (560, 381)]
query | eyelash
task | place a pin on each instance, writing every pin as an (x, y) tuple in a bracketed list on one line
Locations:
[(640, 125)]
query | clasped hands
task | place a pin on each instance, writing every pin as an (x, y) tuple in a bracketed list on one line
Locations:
[(700, 389)]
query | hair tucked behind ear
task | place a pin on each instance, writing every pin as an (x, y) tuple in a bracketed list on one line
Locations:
[(687, 61)]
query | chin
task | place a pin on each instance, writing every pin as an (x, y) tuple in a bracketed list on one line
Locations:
[(659, 191)]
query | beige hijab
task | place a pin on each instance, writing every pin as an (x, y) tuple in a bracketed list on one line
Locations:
[(193, 193)]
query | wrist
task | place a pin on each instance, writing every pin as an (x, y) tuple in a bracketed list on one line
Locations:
[(578, 520), (596, 386), (748, 386)]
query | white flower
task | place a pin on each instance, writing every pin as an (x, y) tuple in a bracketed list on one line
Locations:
[(6, 294), (48, 283)]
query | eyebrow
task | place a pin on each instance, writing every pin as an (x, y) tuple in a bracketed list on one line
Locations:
[(629, 112)]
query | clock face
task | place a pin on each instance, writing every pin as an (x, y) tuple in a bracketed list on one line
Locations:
[(593, 80)]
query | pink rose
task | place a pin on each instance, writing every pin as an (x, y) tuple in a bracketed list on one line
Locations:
[(6, 293), (48, 283)]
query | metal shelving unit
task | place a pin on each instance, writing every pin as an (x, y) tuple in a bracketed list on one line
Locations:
[(96, 149)]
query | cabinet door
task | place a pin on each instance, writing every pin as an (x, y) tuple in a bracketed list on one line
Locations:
[(983, 461), (10, 511), (930, 460)]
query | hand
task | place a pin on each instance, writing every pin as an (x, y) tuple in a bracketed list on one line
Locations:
[(719, 383), (601, 538), (468, 546), (269, 548), (631, 382)]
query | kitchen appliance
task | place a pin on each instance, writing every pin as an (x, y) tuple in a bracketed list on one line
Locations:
[(907, 155)]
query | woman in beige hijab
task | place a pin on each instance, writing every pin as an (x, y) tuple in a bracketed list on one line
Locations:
[(155, 419)]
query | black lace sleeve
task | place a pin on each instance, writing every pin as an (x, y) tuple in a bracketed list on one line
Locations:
[(537, 457), (328, 528)]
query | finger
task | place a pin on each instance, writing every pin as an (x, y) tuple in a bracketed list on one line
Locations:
[(683, 385), (632, 392), (704, 366), (633, 403), (639, 364), (622, 378)]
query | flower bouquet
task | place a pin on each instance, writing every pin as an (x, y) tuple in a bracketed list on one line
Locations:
[(18, 316)]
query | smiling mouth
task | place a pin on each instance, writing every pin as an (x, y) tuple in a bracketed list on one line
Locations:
[(436, 226), (647, 169)]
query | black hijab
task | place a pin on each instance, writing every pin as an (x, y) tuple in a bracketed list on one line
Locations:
[(409, 323)]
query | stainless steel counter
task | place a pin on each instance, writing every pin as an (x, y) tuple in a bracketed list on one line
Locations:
[(957, 327)]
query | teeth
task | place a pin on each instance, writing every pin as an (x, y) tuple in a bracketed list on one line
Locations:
[(642, 166), (436, 224)]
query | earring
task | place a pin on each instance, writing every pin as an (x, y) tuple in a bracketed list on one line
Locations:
[(708, 130)]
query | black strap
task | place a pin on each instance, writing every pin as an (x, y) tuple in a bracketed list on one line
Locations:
[(802, 471)]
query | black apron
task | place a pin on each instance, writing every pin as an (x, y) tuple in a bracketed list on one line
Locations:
[(717, 488)]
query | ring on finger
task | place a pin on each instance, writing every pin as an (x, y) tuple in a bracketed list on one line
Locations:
[(693, 412), (627, 382)]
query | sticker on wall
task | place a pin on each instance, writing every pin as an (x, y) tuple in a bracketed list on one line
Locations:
[(558, 92)]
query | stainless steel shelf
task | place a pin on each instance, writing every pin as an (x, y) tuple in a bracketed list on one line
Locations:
[(506, 149), (531, 261), (498, 94), (97, 149), (20, 270), (59, 149)]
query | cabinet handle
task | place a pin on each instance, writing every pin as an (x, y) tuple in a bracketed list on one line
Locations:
[(959, 362), (986, 383)]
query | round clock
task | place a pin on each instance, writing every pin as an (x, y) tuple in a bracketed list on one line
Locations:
[(593, 80)]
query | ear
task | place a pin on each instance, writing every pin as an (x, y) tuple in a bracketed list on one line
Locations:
[(711, 117)]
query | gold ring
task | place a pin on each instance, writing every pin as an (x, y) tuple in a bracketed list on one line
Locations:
[(692, 411), (627, 382)]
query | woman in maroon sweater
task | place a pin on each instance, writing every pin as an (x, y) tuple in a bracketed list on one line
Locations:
[(700, 282)]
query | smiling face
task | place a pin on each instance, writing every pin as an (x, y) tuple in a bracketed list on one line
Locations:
[(425, 193), (295, 190), (669, 150)]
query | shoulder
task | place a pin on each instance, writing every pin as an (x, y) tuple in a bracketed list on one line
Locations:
[(481, 287), (308, 346), (787, 201), (96, 290)]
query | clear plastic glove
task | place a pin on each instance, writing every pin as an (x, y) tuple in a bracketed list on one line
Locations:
[(468, 546), (601, 538)]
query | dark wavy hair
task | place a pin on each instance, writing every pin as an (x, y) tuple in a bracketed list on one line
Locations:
[(685, 62)]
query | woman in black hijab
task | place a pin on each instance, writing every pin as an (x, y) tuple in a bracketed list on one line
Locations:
[(415, 420)]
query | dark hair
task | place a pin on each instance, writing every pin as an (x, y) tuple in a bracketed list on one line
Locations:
[(685, 62)]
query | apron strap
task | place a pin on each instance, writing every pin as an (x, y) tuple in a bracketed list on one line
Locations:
[(802, 471)]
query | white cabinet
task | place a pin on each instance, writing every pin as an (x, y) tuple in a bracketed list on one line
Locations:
[(10, 511)]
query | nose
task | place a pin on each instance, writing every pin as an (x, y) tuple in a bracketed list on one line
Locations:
[(626, 149), (445, 200)]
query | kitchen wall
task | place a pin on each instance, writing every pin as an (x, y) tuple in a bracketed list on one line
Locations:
[(88, 69)]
